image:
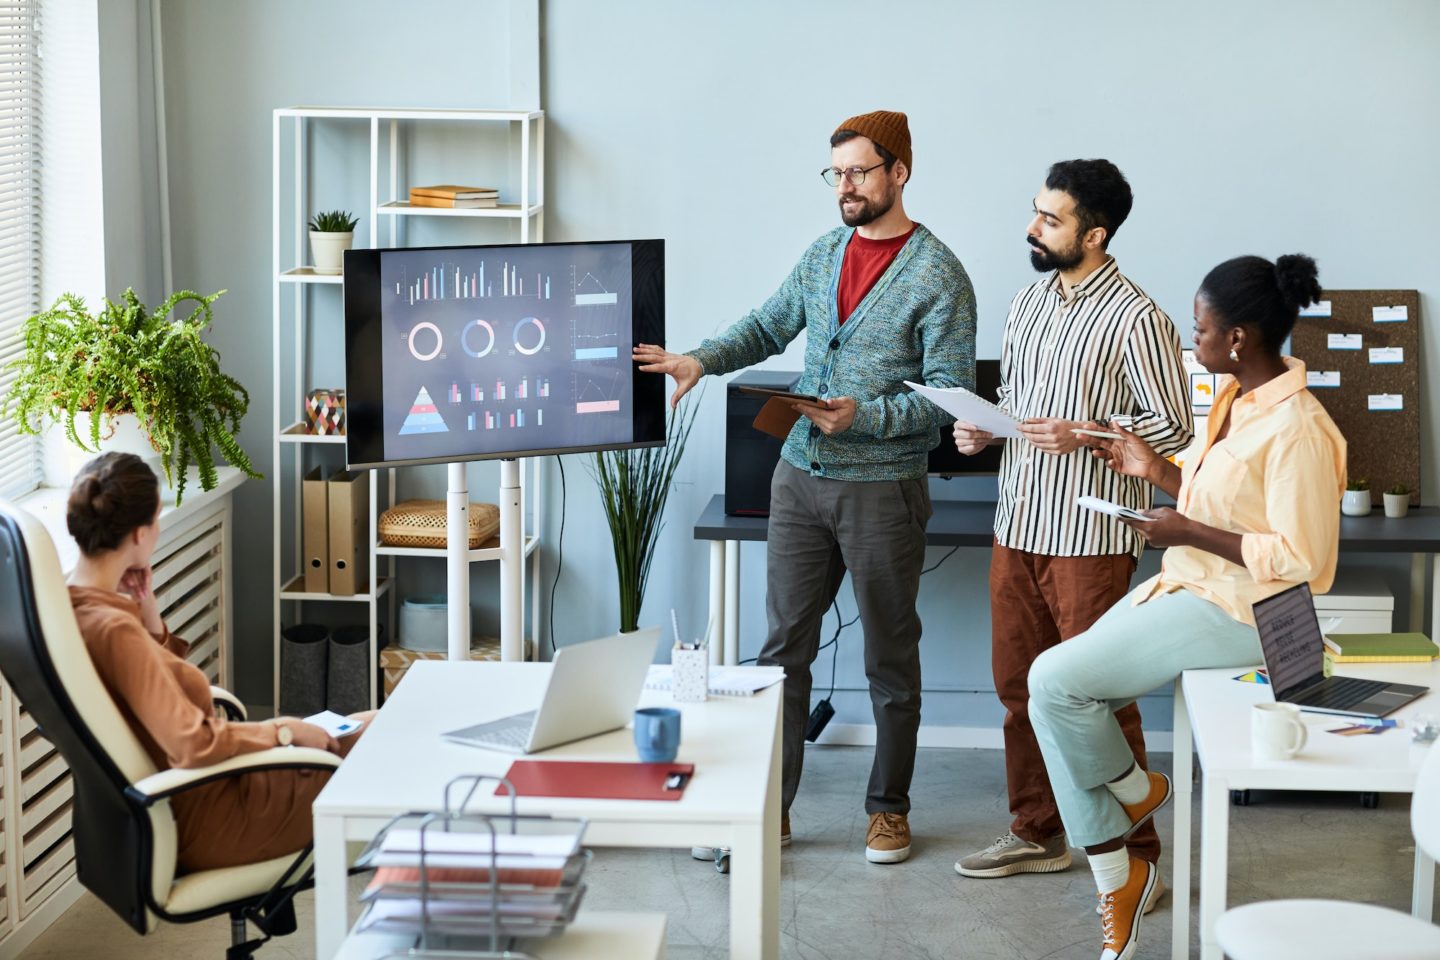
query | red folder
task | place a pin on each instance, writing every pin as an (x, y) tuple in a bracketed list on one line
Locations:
[(602, 781)]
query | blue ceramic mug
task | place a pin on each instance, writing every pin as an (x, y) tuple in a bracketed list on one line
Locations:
[(657, 734)]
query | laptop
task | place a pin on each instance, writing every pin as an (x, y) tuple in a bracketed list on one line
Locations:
[(593, 689), (1294, 657)]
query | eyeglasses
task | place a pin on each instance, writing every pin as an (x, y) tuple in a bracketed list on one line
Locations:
[(855, 175)]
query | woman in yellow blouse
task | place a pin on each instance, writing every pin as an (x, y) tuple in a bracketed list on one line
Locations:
[(1256, 512)]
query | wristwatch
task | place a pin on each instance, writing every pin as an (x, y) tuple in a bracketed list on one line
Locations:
[(284, 736)]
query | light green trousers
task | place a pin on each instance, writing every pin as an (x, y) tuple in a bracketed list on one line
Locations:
[(1076, 687)]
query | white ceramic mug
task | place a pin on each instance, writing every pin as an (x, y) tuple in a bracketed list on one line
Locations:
[(1276, 731)]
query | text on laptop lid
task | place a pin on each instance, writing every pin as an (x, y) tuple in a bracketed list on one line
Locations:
[(1290, 639)]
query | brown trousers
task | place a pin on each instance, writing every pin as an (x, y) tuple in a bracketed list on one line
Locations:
[(1036, 602)]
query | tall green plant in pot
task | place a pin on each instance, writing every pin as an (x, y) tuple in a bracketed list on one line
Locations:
[(634, 486), (83, 370)]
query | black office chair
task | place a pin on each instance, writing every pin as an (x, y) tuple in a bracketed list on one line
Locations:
[(123, 827)]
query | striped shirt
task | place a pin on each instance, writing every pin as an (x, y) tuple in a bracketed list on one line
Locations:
[(1109, 349)]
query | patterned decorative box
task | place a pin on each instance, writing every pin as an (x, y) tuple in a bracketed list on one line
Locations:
[(325, 412), (395, 660), (422, 523)]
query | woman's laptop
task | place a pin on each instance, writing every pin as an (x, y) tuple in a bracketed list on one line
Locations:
[(593, 689), (1295, 659)]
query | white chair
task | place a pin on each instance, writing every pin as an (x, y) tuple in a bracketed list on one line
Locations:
[(1338, 929), (123, 827)]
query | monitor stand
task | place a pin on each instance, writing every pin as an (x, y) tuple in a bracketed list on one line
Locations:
[(457, 562)]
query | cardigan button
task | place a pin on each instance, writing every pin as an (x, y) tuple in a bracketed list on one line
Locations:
[(835, 344)]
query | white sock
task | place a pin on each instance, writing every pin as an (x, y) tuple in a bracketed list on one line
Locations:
[(1131, 788), (1111, 869)]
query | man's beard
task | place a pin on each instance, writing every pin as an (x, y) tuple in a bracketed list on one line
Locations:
[(866, 211), (1044, 259)]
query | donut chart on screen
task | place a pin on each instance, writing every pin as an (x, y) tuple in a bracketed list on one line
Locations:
[(439, 340), (523, 333), (478, 324)]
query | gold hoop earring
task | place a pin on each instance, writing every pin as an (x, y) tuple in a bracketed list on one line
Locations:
[(1234, 357)]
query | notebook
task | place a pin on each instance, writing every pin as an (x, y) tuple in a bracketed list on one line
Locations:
[(1381, 648), (723, 681), (972, 408)]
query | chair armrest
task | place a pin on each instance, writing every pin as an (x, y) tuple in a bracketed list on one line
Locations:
[(227, 701), (159, 786)]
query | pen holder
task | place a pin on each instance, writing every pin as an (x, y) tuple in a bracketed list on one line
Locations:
[(690, 679)]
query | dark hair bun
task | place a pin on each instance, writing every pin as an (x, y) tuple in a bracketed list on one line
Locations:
[(1298, 280), (114, 494)]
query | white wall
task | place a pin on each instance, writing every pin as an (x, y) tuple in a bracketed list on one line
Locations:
[(1244, 128)]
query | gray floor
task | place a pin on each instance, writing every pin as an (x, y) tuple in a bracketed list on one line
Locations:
[(835, 905)]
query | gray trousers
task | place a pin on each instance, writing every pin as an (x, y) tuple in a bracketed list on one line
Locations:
[(819, 529)]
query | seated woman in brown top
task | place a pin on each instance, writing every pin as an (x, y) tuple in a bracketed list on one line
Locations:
[(114, 516)]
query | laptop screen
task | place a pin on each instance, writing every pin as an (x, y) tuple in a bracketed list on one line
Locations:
[(1290, 638)]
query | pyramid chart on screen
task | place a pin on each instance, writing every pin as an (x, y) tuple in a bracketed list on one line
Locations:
[(423, 418)]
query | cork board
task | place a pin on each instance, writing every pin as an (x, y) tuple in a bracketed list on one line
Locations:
[(1383, 444)]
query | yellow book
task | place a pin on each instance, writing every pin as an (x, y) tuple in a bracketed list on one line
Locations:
[(1381, 648)]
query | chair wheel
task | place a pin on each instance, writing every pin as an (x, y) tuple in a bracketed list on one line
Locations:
[(722, 861), (1240, 798), (1369, 800)]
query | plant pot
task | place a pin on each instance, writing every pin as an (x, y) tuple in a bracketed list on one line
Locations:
[(1355, 503), (118, 432), (329, 250), (1396, 504)]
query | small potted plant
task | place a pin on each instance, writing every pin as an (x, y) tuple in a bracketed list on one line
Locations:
[(121, 372), (331, 234), (1356, 500), (1397, 501)]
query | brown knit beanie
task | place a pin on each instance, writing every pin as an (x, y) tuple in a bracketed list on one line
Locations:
[(888, 128)]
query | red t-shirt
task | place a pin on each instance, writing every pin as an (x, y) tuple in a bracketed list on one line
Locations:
[(865, 261)]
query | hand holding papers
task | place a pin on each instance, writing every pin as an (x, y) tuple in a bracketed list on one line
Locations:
[(964, 405), (335, 724)]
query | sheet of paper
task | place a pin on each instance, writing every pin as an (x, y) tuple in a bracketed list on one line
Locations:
[(335, 724), (1318, 309), (1343, 341), (1387, 354), (721, 680), (1322, 378), (1387, 401), (1394, 314), (1202, 389), (964, 405), (1113, 509)]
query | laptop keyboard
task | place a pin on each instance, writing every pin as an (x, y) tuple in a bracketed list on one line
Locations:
[(509, 732), (1340, 693)]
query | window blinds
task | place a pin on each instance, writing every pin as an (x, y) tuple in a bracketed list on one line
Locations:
[(19, 221)]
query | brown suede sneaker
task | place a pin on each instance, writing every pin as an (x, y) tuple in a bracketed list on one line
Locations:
[(888, 839), (1160, 794), (1120, 912)]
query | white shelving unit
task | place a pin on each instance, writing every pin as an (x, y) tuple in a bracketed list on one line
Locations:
[(385, 214)]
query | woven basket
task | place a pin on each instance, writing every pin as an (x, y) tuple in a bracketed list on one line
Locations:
[(422, 523)]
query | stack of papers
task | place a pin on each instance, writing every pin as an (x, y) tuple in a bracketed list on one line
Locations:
[(401, 848), (964, 405)]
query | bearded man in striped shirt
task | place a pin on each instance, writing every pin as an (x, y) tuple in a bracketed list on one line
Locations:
[(1082, 345)]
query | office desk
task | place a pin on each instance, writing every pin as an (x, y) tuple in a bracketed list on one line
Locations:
[(1214, 709), (970, 523), (402, 764)]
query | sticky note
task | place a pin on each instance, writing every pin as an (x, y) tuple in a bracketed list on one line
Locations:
[(1387, 354), (1322, 378), (1394, 314), (1202, 389), (1318, 309), (1387, 401), (1343, 341)]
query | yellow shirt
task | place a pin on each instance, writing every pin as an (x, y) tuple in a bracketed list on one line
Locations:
[(1276, 479)]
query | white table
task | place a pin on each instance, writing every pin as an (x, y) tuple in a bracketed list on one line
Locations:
[(1214, 709), (402, 764)]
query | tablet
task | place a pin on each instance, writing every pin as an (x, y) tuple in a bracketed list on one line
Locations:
[(782, 394)]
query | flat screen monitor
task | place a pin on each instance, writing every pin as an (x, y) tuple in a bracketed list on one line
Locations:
[(487, 352), (945, 460)]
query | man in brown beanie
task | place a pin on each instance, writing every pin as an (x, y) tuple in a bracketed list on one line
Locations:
[(881, 301)]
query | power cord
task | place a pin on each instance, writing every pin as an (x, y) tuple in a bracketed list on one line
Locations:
[(559, 554)]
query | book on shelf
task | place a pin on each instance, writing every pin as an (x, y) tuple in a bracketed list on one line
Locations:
[(451, 191), (1381, 648), (419, 200)]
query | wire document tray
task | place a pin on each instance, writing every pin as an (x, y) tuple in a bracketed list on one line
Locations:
[(472, 885)]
